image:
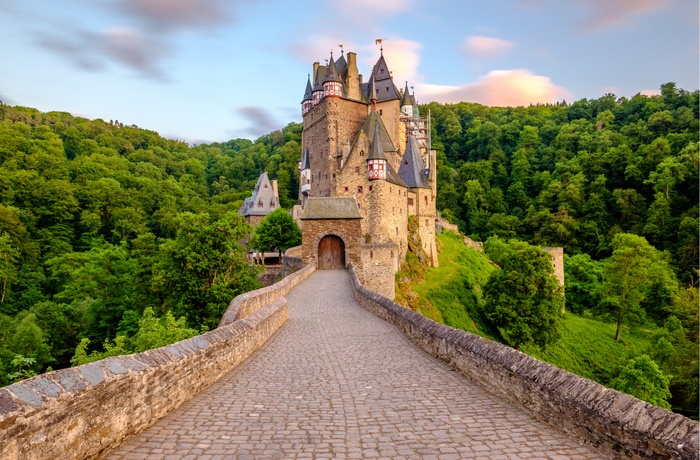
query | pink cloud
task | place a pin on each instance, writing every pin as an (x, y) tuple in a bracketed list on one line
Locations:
[(509, 88), (486, 47), (608, 13), (169, 14)]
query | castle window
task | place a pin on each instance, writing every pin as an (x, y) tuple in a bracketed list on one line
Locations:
[(272, 204), (345, 189), (426, 200), (362, 153), (260, 204), (359, 189), (370, 188), (410, 201), (265, 185), (371, 254), (380, 111), (397, 230), (357, 170)]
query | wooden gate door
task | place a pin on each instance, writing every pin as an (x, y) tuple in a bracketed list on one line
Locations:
[(331, 253)]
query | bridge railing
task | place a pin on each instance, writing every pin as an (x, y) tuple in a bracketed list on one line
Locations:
[(613, 421), (85, 411)]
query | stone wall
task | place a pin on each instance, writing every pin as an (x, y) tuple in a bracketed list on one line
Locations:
[(618, 424), (85, 411), (249, 302), (349, 230)]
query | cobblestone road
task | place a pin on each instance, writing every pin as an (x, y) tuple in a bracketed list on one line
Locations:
[(337, 382)]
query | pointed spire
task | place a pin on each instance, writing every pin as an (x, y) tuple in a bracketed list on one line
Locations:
[(332, 71), (406, 99), (309, 90), (376, 151)]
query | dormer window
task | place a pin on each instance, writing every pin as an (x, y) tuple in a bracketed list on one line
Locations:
[(272, 204), (260, 205)]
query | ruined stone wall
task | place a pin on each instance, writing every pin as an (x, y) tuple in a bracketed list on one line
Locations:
[(618, 424), (85, 411), (557, 263)]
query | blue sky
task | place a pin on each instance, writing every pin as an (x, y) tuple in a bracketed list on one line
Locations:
[(213, 70)]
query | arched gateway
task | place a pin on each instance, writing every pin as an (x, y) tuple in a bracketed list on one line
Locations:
[(331, 253)]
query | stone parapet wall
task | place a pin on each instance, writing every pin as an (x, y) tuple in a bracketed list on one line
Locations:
[(85, 411), (617, 423), (249, 302)]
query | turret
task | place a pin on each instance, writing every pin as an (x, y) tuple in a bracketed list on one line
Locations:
[(307, 103), (373, 94), (332, 84), (406, 103), (317, 92), (376, 160)]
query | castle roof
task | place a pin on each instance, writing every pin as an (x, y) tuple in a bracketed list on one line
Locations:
[(369, 126), (406, 99), (263, 201), (386, 90), (412, 169), (305, 162), (344, 207), (376, 151), (331, 71), (342, 66), (307, 93)]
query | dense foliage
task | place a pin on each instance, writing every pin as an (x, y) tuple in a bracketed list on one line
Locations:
[(575, 175), (108, 230), (523, 299)]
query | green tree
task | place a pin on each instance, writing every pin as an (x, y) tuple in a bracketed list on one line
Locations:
[(204, 267), (642, 378), (633, 266), (277, 231), (583, 282), (157, 332), (523, 299)]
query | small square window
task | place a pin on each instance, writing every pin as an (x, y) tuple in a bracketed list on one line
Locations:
[(345, 189), (357, 170), (359, 189)]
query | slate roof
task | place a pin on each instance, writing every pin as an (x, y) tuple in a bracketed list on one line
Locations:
[(307, 93), (262, 193), (386, 90), (376, 152), (371, 122), (406, 99), (318, 208), (331, 71), (412, 170), (305, 162)]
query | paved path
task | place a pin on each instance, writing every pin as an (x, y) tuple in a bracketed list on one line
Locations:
[(337, 382)]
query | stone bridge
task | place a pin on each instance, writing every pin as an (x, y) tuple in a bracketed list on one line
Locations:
[(336, 381)]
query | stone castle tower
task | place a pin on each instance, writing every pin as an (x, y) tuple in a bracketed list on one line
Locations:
[(366, 167)]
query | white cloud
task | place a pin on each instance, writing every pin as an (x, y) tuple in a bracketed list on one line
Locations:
[(482, 47), (498, 88), (650, 92)]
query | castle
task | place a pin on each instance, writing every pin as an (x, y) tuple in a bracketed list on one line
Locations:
[(366, 167)]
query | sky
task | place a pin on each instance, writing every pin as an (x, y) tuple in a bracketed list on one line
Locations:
[(214, 70)]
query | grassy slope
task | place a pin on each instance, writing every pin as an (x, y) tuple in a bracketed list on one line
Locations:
[(452, 291)]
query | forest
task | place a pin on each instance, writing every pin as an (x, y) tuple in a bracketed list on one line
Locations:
[(114, 239)]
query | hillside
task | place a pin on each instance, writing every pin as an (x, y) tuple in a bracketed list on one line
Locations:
[(451, 294)]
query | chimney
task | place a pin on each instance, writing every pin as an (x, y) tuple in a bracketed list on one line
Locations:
[(313, 77), (274, 189), (353, 79)]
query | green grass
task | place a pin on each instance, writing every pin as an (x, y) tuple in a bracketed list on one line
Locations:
[(587, 348), (451, 295)]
